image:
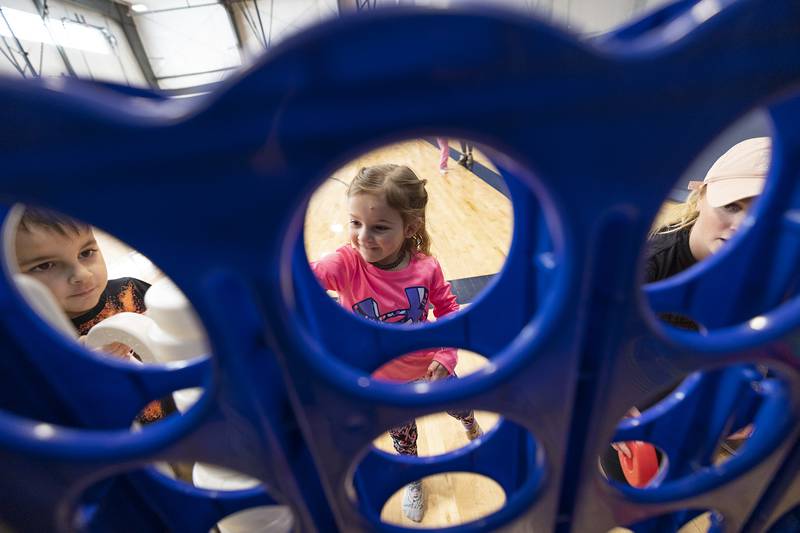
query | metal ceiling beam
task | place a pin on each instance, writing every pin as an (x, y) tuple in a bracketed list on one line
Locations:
[(104, 7), (346, 6), (121, 14), (228, 5), (125, 20), (20, 50), (41, 8)]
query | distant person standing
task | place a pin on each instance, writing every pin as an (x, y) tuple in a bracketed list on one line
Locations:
[(466, 154), (444, 154)]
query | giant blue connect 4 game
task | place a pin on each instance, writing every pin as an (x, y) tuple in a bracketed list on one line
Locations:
[(590, 137)]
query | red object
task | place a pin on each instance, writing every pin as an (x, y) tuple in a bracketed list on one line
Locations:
[(642, 466)]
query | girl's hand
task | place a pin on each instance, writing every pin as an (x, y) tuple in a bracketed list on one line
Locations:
[(436, 371)]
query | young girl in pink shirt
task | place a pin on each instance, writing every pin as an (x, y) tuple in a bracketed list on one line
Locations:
[(386, 273)]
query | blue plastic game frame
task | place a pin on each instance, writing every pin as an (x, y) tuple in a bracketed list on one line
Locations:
[(590, 137)]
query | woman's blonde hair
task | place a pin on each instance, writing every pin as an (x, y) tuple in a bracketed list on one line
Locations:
[(404, 191), (684, 217)]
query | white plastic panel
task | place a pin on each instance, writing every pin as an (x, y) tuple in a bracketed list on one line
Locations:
[(279, 20), (193, 80), (188, 41), (43, 57), (160, 5), (95, 46), (585, 17), (113, 62)]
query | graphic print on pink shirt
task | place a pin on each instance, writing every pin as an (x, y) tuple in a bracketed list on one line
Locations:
[(416, 310), (397, 296)]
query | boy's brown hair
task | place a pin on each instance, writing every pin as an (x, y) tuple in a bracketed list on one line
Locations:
[(50, 220)]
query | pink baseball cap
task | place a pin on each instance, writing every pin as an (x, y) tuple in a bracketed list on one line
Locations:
[(739, 173)]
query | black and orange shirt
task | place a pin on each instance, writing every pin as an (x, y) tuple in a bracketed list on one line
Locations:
[(669, 254), (120, 296)]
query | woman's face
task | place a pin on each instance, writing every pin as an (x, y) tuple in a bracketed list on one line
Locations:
[(715, 225)]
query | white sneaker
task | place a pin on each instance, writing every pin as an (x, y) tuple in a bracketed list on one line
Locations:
[(414, 501), (443, 170)]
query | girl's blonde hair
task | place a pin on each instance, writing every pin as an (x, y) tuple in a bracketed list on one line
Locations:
[(685, 217), (404, 191)]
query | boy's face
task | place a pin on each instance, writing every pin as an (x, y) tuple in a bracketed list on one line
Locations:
[(70, 265)]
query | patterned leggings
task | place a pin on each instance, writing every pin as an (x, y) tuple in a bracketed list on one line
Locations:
[(404, 437)]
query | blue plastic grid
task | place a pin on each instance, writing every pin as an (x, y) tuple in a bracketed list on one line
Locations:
[(590, 138)]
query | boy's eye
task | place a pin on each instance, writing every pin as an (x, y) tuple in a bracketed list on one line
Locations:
[(381, 228), (43, 267), (355, 223), (88, 253)]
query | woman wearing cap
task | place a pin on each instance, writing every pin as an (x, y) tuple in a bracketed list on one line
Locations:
[(710, 216), (713, 211)]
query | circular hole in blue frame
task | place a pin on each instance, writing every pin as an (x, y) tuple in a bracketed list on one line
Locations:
[(706, 410), (686, 521), (311, 344), (509, 455)]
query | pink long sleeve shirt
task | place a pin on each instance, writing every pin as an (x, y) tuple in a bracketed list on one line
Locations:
[(398, 296)]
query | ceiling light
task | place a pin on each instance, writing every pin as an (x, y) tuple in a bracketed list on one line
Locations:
[(55, 32)]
